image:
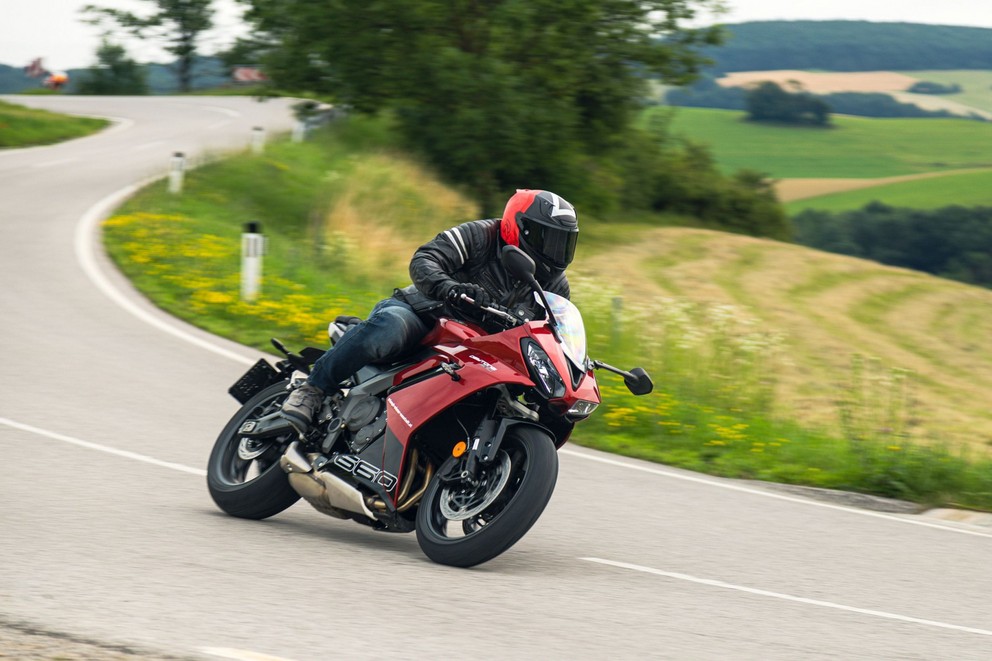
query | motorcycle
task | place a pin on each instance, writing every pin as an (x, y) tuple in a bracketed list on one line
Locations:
[(457, 442)]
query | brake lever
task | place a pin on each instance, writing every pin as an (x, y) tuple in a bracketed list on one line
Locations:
[(496, 311)]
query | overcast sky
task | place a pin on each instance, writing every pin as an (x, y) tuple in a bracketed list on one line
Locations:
[(51, 29)]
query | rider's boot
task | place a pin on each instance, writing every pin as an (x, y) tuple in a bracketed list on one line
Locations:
[(302, 405)]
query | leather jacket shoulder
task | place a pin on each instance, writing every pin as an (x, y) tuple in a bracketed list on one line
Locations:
[(470, 252)]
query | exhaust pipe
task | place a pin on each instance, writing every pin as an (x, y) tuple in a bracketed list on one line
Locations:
[(327, 493)]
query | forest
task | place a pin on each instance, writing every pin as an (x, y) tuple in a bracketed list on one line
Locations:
[(851, 46), (953, 242)]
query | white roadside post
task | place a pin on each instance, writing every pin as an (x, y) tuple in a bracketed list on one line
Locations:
[(252, 250), (257, 140), (300, 131), (176, 172)]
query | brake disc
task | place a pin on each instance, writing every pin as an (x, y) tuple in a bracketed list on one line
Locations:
[(461, 504)]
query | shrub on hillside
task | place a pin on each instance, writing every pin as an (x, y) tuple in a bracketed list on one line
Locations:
[(679, 176), (929, 87), (768, 102)]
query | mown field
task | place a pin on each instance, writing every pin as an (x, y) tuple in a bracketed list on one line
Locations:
[(976, 85), (855, 147), (771, 361), (964, 188)]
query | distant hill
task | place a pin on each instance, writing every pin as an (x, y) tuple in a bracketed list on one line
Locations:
[(209, 73), (851, 46)]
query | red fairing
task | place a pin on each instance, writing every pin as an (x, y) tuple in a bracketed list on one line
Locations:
[(485, 361), (411, 407)]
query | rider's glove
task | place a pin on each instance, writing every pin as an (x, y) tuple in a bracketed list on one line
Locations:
[(475, 292)]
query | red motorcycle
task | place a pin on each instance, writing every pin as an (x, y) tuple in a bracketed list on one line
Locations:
[(457, 442)]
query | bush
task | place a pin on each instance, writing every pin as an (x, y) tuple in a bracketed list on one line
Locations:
[(770, 103), (928, 87)]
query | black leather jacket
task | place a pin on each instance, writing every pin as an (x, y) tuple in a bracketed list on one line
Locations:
[(471, 253)]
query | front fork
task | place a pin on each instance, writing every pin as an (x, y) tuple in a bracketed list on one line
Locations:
[(482, 449)]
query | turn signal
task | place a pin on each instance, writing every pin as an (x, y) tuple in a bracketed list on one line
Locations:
[(459, 449), (582, 408)]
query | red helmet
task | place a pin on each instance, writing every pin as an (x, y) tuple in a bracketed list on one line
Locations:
[(543, 225)]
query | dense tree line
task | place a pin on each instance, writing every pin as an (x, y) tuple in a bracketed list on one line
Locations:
[(851, 46), (953, 242)]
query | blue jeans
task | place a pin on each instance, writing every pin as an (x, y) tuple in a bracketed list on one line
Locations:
[(391, 329)]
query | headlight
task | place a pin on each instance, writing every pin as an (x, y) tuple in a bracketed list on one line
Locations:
[(543, 371), (582, 408)]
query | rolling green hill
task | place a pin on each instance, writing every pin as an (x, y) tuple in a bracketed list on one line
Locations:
[(855, 147)]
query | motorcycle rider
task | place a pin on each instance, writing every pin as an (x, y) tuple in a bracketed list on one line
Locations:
[(462, 260)]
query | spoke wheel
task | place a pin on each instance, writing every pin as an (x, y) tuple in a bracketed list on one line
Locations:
[(465, 523), (243, 474)]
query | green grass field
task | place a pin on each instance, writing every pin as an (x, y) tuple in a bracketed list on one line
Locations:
[(965, 189), (24, 127), (977, 85), (855, 147)]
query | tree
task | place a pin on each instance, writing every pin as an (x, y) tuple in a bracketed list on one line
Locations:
[(179, 23), (114, 73), (767, 102), (497, 94)]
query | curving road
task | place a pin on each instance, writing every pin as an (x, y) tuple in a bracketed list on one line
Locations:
[(108, 410)]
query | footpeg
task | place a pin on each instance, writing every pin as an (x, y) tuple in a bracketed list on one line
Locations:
[(269, 426)]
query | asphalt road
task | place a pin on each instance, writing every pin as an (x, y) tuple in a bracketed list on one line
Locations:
[(108, 410)]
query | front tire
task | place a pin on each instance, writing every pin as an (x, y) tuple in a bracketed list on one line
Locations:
[(243, 476), (464, 525)]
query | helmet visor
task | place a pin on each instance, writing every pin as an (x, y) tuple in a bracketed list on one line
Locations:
[(556, 246)]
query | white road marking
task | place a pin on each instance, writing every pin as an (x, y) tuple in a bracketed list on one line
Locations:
[(217, 125), (240, 655), (230, 112), (103, 448), (48, 164), (85, 253), (770, 494), (148, 145), (789, 597)]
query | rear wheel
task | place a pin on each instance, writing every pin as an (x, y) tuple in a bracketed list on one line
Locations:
[(243, 475), (464, 524)]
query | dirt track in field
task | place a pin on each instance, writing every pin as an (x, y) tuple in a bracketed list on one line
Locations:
[(790, 190)]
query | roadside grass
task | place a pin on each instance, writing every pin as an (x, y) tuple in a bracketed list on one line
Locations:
[(26, 127), (965, 189), (750, 381), (854, 147)]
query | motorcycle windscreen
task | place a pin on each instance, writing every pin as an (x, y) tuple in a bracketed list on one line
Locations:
[(571, 329)]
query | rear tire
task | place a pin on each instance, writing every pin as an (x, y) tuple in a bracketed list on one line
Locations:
[(244, 478), (462, 526)]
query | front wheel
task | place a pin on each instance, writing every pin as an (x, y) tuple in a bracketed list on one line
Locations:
[(243, 475), (463, 524)]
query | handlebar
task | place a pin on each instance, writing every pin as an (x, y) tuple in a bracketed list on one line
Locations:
[(499, 312)]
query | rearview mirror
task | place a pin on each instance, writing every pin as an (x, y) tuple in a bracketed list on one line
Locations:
[(640, 384), (518, 263)]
